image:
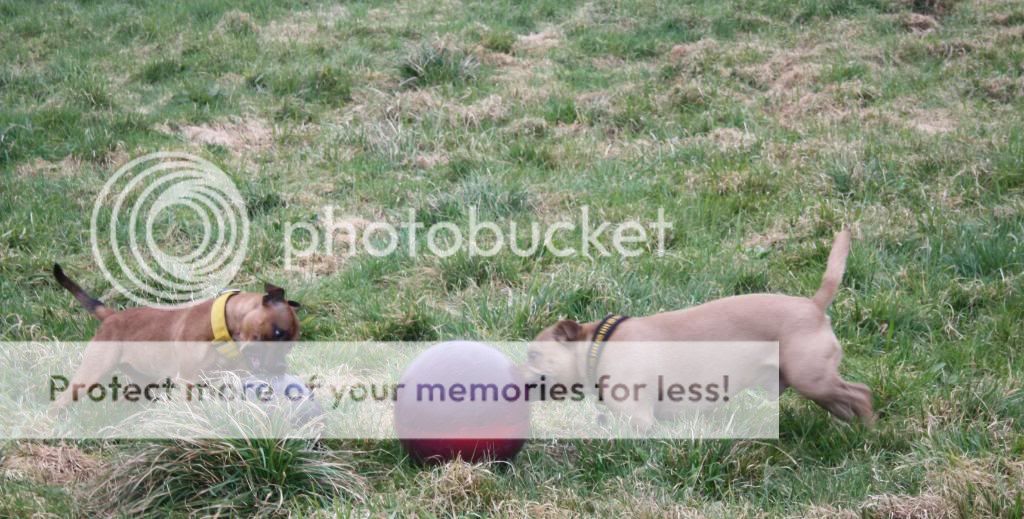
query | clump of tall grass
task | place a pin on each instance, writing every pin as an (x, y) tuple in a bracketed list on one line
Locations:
[(436, 63), (226, 477), (225, 458), (499, 41)]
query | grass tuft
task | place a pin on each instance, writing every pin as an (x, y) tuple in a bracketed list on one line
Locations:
[(243, 468), (161, 70), (238, 23), (226, 477), (499, 41), (437, 63)]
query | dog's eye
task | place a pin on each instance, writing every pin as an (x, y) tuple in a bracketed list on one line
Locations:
[(278, 333)]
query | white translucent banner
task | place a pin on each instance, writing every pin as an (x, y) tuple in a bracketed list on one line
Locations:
[(370, 390)]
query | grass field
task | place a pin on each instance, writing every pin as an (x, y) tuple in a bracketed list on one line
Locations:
[(760, 127)]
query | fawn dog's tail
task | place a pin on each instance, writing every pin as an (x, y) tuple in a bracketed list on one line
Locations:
[(834, 271)]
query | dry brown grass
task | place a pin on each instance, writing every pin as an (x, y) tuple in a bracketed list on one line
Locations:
[(731, 139), (1004, 89), (539, 42), (765, 240), (237, 22), (303, 26), (685, 53), (932, 122), (975, 484), (430, 160), (348, 229), (918, 23), (924, 506), (492, 108), (527, 508), (457, 487), (644, 501), (527, 127), (827, 512), (527, 80), (69, 167), (240, 135), (51, 464), (415, 106), (318, 264)]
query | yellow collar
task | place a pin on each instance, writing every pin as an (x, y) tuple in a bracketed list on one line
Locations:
[(219, 321)]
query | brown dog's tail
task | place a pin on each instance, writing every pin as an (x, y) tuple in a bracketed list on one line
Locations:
[(834, 271), (93, 305)]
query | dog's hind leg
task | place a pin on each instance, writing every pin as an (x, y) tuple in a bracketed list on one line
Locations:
[(813, 371), (849, 401), (99, 360), (860, 399)]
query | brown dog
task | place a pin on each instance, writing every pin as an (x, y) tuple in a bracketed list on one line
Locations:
[(264, 326), (809, 352)]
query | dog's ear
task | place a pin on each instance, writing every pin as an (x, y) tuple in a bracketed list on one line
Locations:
[(567, 330), (294, 304), (274, 294)]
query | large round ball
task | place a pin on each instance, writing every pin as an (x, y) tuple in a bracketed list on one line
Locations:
[(462, 399)]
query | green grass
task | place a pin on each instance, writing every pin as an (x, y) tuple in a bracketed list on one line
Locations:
[(761, 128)]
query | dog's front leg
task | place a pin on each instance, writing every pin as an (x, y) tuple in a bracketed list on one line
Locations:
[(639, 415)]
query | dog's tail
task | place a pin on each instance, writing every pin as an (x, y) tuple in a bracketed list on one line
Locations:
[(834, 271), (93, 305)]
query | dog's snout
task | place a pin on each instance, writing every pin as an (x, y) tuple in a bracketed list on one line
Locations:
[(266, 359), (529, 374)]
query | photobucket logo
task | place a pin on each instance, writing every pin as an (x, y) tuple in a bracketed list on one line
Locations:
[(169, 229), (583, 235)]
